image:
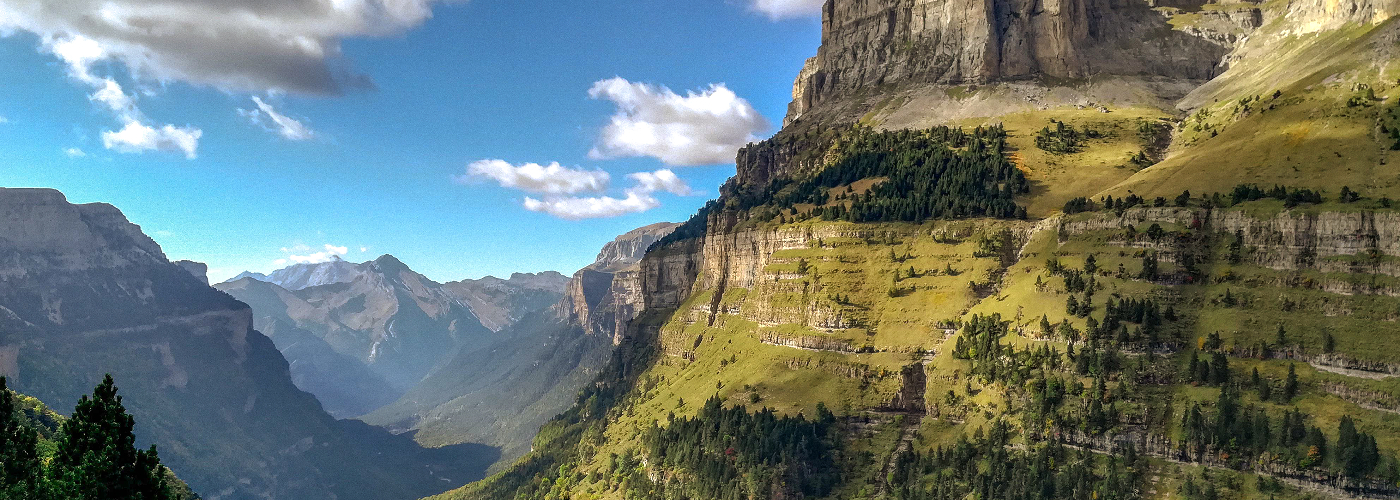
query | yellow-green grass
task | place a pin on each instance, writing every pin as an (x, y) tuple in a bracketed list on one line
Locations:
[(1325, 410), (1308, 136), (1166, 479), (1058, 178)]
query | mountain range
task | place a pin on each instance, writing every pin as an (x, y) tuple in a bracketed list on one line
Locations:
[(535, 339), (86, 293)]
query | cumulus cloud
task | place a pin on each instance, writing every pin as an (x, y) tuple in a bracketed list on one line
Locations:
[(661, 180), (137, 137), (4, 120), (328, 253), (535, 178), (74, 153), (594, 207), (237, 45), (639, 198), (784, 9), (699, 128), (80, 53), (283, 125)]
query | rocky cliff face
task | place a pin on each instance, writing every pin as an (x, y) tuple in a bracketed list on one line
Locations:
[(627, 249), (868, 44), (83, 292), (607, 294), (199, 270)]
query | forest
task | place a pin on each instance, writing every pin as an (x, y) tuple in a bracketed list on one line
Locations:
[(916, 175)]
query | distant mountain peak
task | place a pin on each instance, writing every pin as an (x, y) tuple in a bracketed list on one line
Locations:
[(247, 275), (388, 264)]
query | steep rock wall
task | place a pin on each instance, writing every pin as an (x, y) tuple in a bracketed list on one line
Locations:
[(870, 43)]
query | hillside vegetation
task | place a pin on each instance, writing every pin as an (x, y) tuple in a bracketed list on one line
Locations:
[(89, 456), (1129, 302)]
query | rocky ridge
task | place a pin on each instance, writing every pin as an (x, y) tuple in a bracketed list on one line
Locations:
[(499, 303)]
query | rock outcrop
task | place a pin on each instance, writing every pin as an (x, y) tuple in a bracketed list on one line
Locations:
[(628, 249), (607, 294), (199, 270)]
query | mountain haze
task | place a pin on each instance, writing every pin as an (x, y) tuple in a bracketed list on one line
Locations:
[(86, 293), (501, 394)]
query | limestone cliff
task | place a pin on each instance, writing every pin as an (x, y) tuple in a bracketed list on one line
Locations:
[(869, 44), (604, 296)]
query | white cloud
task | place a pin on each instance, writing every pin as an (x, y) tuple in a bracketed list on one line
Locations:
[(328, 253), (639, 198), (137, 137), (536, 178), (283, 125), (4, 120), (700, 128), (237, 45), (74, 153), (595, 207), (784, 9), (661, 180)]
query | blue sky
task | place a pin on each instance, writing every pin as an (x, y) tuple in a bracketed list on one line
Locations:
[(323, 162)]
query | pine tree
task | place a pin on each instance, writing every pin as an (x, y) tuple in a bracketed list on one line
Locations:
[(1290, 385), (97, 457), (1220, 368), (20, 472)]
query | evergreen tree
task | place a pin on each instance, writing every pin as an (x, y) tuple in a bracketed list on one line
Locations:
[(97, 457), (20, 477), (1290, 385), (1149, 267)]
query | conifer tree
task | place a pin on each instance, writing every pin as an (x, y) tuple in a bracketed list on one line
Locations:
[(97, 457), (1290, 386), (20, 477)]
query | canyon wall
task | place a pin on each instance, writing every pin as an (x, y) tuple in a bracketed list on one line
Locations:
[(867, 44)]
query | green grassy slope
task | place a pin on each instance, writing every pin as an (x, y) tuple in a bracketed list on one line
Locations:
[(916, 372)]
